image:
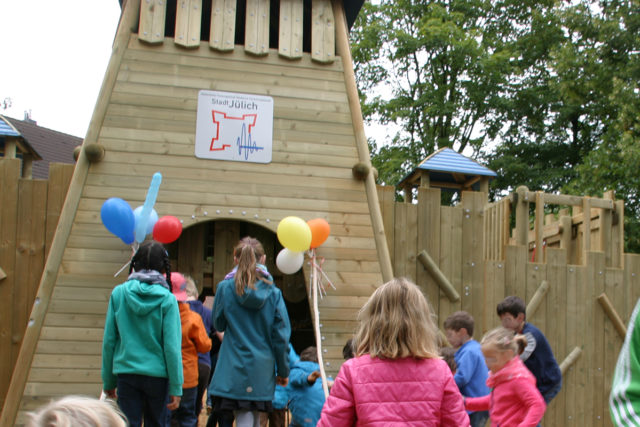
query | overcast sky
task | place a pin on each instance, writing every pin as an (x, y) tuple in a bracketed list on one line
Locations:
[(54, 54)]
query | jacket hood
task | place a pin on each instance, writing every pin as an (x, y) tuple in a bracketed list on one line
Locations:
[(144, 297), (254, 299)]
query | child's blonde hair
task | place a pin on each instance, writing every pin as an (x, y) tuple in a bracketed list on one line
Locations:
[(78, 411), (248, 252), (397, 322), (504, 339), (192, 289)]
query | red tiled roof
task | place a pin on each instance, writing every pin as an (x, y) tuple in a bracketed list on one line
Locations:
[(53, 146)]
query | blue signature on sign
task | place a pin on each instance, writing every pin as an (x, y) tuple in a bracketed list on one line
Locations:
[(244, 142)]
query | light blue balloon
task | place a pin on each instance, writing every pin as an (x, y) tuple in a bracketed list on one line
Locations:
[(142, 224), (151, 221), (118, 218)]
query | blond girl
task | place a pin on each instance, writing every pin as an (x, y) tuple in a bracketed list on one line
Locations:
[(514, 398), (396, 377)]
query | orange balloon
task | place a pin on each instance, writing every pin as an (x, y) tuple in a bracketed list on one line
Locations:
[(319, 231)]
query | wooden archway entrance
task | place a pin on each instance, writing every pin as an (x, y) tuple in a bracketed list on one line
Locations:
[(205, 252)]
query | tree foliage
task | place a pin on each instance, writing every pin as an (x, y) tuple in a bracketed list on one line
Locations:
[(546, 92)]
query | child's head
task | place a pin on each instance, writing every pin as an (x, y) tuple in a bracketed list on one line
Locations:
[(347, 350), (78, 411), (499, 346), (192, 289), (512, 313), (458, 328), (151, 255), (179, 286), (309, 354), (247, 253), (397, 322), (447, 354)]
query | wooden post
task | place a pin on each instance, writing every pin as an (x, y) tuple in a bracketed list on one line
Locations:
[(570, 359), (342, 42), (586, 228), (565, 240), (10, 147), (522, 216), (533, 305), (539, 226), (438, 276), (128, 23), (608, 308)]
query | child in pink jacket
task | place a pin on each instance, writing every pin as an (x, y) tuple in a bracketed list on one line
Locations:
[(396, 378), (514, 399)]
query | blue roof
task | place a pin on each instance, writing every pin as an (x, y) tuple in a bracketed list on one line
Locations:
[(6, 129), (448, 168), (448, 160)]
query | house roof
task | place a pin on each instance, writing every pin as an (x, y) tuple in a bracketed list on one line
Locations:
[(449, 167), (8, 131), (50, 145)]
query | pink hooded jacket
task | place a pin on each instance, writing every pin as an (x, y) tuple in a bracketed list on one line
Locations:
[(401, 392), (514, 399)]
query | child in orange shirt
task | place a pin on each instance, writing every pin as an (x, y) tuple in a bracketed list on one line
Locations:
[(194, 340)]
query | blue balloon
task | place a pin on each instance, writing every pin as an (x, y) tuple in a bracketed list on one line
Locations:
[(151, 221), (118, 218)]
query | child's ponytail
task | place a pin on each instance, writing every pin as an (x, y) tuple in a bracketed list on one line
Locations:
[(247, 253)]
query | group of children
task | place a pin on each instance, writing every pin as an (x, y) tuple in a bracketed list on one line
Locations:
[(157, 336)]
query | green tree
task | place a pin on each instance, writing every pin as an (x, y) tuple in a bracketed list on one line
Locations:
[(440, 73)]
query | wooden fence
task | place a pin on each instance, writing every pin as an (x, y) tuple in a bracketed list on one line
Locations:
[(29, 211), (579, 290)]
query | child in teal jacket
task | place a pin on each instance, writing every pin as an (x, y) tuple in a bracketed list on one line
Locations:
[(306, 396), (141, 348)]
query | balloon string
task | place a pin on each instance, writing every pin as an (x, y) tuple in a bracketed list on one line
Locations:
[(134, 248)]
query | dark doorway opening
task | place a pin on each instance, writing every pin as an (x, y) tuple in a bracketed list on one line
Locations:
[(205, 252)]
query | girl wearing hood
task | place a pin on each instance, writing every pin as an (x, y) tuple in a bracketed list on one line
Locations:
[(249, 309), (141, 348)]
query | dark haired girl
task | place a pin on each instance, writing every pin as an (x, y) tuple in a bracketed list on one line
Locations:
[(141, 348)]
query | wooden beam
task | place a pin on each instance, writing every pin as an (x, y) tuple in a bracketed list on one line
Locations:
[(608, 308), (10, 147), (342, 41), (438, 276), (152, 20), (522, 216), (570, 359), (127, 26), (563, 199), (223, 25), (533, 305)]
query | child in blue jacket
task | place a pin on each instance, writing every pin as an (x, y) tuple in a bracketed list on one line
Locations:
[(306, 396)]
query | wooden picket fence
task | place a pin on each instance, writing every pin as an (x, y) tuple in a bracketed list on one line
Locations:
[(580, 287), (29, 212)]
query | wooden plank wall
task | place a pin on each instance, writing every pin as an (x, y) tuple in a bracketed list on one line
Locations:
[(569, 315), (149, 127), (29, 211)]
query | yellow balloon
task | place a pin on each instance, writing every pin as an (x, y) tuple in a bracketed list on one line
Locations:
[(294, 234)]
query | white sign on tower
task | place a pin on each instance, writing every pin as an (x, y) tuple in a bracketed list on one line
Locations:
[(234, 126)]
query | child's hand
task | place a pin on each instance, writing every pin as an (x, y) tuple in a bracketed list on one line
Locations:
[(313, 376), (330, 383), (283, 381), (111, 394), (174, 404)]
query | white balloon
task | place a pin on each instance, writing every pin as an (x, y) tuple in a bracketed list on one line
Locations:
[(289, 262)]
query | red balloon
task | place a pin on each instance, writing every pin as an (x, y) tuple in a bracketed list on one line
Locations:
[(319, 231), (167, 229)]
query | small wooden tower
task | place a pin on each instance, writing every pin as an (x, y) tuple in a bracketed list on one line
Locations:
[(450, 171), (171, 62)]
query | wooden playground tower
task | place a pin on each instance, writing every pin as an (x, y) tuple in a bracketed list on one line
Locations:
[(579, 284)]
